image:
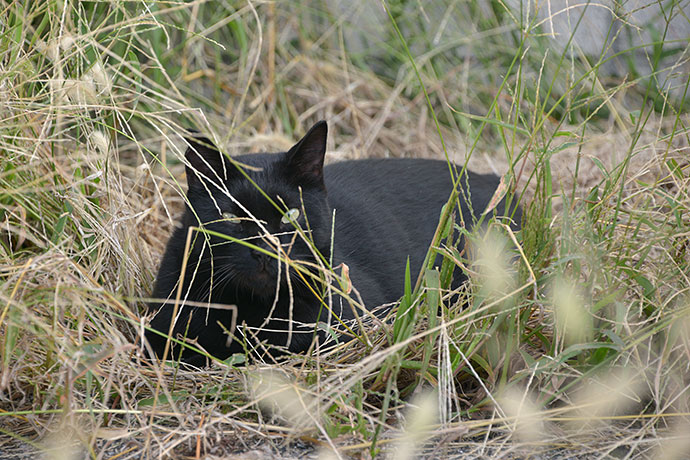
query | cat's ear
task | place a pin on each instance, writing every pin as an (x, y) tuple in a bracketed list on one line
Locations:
[(204, 162), (305, 158)]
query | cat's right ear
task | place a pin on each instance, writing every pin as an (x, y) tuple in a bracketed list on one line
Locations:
[(305, 159), (204, 162)]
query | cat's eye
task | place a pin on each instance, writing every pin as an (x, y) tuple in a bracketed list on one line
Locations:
[(290, 216), (230, 217)]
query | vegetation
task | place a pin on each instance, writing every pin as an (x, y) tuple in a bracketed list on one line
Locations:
[(571, 335)]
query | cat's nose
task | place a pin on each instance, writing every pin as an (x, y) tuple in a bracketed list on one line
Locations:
[(260, 256)]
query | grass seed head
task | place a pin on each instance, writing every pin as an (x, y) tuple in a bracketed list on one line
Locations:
[(278, 396), (100, 143), (420, 420), (99, 75), (602, 397), (493, 264), (573, 320), (674, 444), (529, 424), (81, 91)]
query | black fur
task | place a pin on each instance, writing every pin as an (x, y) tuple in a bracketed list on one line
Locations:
[(385, 211)]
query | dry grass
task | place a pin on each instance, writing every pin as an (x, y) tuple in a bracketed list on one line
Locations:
[(91, 182)]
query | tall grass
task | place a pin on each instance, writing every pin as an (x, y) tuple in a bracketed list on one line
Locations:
[(571, 335)]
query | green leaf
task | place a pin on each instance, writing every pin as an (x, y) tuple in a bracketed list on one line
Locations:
[(600, 165), (163, 399), (237, 358), (565, 134), (492, 121), (614, 338), (405, 315), (606, 300), (592, 200), (561, 147), (675, 168), (634, 116), (432, 280), (445, 232), (529, 360), (647, 286)]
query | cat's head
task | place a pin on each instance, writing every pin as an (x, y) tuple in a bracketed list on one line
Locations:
[(260, 200)]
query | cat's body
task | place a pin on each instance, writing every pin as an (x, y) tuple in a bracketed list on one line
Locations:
[(385, 212)]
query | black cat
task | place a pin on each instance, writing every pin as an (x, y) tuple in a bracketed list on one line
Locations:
[(385, 210)]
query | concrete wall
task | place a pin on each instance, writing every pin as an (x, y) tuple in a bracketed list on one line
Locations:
[(607, 27)]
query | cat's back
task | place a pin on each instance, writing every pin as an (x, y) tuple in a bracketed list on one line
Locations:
[(403, 183), (387, 169), (387, 210)]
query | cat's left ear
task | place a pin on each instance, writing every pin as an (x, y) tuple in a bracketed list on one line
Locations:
[(206, 163), (305, 158)]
